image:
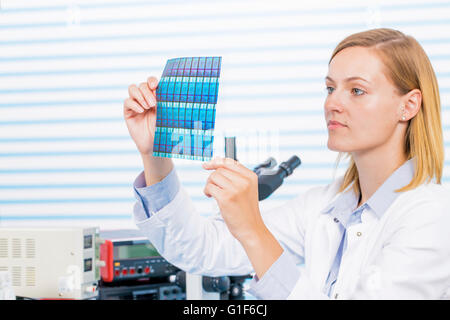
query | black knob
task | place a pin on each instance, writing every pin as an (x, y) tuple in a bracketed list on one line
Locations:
[(216, 284), (180, 280)]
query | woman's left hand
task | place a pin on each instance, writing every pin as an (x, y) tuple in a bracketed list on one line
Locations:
[(235, 189)]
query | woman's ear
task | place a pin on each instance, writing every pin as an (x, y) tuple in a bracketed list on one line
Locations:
[(412, 102)]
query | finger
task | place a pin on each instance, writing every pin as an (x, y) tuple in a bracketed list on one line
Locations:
[(136, 94), (152, 83), (214, 163), (228, 163), (221, 161), (220, 180), (235, 177), (130, 104), (148, 95), (211, 190)]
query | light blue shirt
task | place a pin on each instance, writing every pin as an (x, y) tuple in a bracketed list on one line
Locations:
[(158, 195), (279, 280)]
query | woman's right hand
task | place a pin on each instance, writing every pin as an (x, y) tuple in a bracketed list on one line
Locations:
[(140, 114)]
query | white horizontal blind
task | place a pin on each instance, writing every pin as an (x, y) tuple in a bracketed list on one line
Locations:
[(65, 66)]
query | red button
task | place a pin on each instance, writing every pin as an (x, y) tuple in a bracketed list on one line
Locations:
[(124, 272), (117, 272), (147, 270), (132, 271)]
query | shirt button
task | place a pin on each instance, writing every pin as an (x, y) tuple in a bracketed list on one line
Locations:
[(336, 220), (359, 234)]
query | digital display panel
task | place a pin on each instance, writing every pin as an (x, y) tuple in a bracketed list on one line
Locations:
[(135, 251)]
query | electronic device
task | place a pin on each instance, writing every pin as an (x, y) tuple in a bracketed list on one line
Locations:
[(134, 270), (51, 263), (129, 256), (141, 291), (144, 288)]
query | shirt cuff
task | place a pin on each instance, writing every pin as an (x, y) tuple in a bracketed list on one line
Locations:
[(278, 281), (155, 197)]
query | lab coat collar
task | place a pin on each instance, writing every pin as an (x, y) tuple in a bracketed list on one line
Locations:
[(344, 203)]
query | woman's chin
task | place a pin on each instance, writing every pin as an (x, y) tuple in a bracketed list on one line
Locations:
[(338, 147)]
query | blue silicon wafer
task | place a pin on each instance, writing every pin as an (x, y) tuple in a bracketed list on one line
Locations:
[(186, 104)]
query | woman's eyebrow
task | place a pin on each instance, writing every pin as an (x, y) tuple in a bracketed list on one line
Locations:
[(348, 79)]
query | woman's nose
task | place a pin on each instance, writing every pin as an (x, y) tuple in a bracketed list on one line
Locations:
[(333, 102)]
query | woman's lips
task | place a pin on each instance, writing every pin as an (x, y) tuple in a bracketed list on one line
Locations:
[(335, 125)]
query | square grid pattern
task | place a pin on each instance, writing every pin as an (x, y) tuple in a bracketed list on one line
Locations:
[(187, 97)]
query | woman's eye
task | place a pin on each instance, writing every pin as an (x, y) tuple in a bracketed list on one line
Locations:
[(357, 91)]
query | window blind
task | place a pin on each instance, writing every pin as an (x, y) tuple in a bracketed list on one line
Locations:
[(65, 66)]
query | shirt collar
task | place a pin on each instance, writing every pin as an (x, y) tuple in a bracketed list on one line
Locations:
[(385, 195), (345, 203), (343, 206)]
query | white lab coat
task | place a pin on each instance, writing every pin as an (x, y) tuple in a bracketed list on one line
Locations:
[(403, 255)]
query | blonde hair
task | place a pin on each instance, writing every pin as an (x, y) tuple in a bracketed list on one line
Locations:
[(408, 67)]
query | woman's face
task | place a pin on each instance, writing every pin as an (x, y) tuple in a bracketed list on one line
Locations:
[(362, 108)]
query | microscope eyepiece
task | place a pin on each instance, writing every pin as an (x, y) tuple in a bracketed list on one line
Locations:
[(271, 179), (290, 164)]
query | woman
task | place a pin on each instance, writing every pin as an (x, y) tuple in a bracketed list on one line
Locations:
[(378, 232)]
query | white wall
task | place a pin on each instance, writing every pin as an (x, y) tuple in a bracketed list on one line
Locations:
[(65, 66)]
